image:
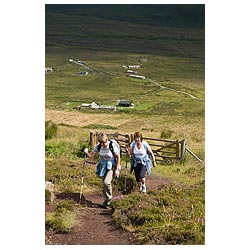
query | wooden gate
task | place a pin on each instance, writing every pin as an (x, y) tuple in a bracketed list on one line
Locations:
[(165, 150)]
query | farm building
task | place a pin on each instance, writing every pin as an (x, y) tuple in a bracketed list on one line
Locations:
[(137, 76), (134, 66), (131, 66), (48, 70), (81, 62), (107, 107), (94, 105), (131, 71), (90, 105), (124, 103), (83, 73), (85, 105)]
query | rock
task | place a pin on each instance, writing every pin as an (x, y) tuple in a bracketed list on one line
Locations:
[(49, 191)]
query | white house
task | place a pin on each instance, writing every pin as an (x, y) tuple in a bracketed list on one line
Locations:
[(134, 66), (86, 105), (48, 70), (137, 76), (92, 105), (131, 71)]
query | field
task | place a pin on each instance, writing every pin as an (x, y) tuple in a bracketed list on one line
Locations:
[(169, 101)]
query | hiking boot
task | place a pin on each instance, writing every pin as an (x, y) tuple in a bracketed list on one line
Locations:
[(106, 204), (144, 188), (140, 189)]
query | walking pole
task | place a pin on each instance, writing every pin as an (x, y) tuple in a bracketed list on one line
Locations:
[(84, 163), (125, 184)]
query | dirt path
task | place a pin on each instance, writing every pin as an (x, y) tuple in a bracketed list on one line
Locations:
[(175, 90), (95, 225)]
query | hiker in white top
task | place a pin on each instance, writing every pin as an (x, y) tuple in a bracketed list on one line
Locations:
[(108, 165), (140, 161)]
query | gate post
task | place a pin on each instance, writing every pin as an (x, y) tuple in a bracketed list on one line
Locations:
[(91, 139), (177, 150), (183, 150), (127, 139), (96, 137)]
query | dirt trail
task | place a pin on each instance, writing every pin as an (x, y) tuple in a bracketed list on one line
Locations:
[(95, 225), (178, 91)]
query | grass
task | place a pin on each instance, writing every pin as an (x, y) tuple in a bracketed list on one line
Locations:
[(174, 215)]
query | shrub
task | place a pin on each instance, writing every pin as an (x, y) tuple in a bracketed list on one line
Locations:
[(99, 126), (54, 149), (80, 152), (62, 219), (166, 134), (47, 196), (50, 129)]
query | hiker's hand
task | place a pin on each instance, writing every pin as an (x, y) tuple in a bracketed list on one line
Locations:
[(154, 163), (116, 173), (86, 150), (127, 149)]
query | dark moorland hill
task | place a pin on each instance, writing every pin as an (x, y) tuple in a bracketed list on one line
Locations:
[(176, 30), (174, 15)]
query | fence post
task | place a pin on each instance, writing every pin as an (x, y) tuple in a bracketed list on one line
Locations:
[(91, 139), (183, 150), (177, 150), (127, 139), (131, 137), (96, 137)]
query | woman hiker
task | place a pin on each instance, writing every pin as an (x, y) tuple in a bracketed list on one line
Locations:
[(108, 165), (140, 161)]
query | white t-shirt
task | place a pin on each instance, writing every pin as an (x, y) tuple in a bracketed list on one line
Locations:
[(105, 153), (140, 153)]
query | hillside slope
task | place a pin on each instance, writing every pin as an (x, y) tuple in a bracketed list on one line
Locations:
[(171, 15), (156, 29)]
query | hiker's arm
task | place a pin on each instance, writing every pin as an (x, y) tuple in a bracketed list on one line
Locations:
[(118, 164), (89, 154), (152, 156), (129, 150)]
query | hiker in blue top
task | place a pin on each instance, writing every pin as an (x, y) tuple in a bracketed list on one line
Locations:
[(108, 165), (140, 161)]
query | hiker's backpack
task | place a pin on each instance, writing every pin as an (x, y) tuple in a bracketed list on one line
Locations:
[(111, 142)]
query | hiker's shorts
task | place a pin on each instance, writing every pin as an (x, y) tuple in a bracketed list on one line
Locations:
[(140, 171)]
